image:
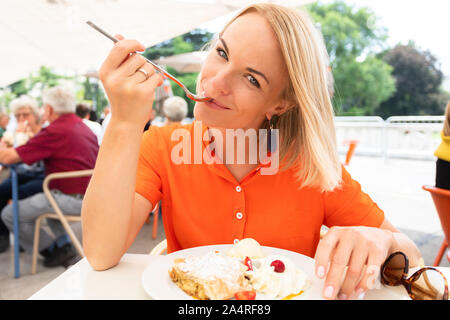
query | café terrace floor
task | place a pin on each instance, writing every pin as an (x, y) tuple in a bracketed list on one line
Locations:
[(395, 184)]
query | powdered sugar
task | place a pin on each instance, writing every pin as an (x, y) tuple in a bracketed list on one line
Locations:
[(213, 266)]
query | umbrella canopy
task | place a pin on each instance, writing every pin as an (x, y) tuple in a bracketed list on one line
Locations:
[(54, 33), (184, 62)]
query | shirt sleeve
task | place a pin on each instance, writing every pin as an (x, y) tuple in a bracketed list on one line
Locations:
[(148, 178), (348, 205), (40, 147)]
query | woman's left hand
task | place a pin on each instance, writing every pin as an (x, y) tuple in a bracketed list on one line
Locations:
[(360, 250)]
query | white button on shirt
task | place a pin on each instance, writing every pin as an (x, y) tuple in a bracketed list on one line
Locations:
[(236, 241), (239, 215), (238, 188)]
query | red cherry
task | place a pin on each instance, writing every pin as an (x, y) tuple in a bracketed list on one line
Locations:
[(278, 266)]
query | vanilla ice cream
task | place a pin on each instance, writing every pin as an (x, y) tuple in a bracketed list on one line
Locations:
[(246, 248)]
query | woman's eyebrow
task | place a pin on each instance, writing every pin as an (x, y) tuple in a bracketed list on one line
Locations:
[(224, 44), (257, 72), (248, 69)]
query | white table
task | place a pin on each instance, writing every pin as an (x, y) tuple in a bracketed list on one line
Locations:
[(123, 282)]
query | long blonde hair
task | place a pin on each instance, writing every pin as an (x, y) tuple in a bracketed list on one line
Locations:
[(307, 133), (447, 121)]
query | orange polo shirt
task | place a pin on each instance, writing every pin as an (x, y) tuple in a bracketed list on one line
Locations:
[(203, 204)]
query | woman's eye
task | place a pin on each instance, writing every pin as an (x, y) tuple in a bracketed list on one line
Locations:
[(222, 53), (253, 80)]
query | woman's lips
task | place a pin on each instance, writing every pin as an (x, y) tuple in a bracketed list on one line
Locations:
[(213, 104)]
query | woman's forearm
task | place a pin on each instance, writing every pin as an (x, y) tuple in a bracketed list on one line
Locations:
[(108, 202)]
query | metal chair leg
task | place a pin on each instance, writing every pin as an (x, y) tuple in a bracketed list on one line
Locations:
[(441, 252)]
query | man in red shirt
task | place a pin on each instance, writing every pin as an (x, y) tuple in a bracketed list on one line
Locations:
[(66, 144)]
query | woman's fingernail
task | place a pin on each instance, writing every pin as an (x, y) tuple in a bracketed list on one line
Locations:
[(360, 291), (328, 293), (342, 296), (320, 272)]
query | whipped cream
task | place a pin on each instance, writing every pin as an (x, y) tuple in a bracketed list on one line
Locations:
[(274, 284)]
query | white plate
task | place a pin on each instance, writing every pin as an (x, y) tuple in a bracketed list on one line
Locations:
[(158, 285)]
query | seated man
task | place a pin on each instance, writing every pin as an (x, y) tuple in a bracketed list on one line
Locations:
[(29, 177), (66, 144)]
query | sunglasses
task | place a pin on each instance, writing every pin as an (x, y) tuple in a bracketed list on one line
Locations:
[(427, 283)]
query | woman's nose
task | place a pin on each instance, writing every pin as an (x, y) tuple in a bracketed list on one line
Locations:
[(220, 83)]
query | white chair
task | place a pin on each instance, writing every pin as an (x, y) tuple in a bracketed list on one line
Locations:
[(159, 249), (58, 215)]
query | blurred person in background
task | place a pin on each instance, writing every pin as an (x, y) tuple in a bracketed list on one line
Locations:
[(29, 177), (106, 116), (443, 154), (66, 144), (4, 120), (175, 109), (149, 122), (105, 112), (84, 112), (26, 112), (44, 122)]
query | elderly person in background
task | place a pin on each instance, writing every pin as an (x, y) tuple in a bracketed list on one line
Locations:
[(29, 177), (66, 144), (84, 112), (175, 109), (4, 120), (27, 114)]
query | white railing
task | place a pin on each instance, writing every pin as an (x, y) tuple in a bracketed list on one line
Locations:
[(411, 137)]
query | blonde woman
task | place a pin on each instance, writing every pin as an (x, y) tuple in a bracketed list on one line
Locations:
[(267, 65), (443, 154)]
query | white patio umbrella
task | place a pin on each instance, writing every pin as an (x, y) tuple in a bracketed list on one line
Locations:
[(54, 33)]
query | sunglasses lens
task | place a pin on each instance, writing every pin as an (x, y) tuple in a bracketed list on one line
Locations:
[(428, 285), (394, 269)]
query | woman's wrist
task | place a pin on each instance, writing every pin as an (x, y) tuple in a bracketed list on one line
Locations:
[(400, 242), (122, 131)]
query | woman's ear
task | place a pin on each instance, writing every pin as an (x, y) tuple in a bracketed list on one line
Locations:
[(281, 107)]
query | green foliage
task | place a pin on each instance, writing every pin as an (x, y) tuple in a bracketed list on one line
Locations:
[(93, 95), (190, 81), (362, 80), (418, 81)]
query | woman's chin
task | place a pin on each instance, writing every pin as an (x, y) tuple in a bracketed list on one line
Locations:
[(201, 113)]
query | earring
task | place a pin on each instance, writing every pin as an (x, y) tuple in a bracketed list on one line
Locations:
[(272, 136)]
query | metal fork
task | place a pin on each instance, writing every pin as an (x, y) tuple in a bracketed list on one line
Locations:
[(189, 94)]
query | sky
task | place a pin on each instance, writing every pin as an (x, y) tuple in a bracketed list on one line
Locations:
[(426, 22)]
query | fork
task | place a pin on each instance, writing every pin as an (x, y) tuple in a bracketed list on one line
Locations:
[(189, 94)]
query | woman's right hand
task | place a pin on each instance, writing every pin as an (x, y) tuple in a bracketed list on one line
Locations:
[(130, 94)]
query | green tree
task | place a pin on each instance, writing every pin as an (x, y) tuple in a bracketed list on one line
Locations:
[(93, 94), (352, 38), (418, 82)]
